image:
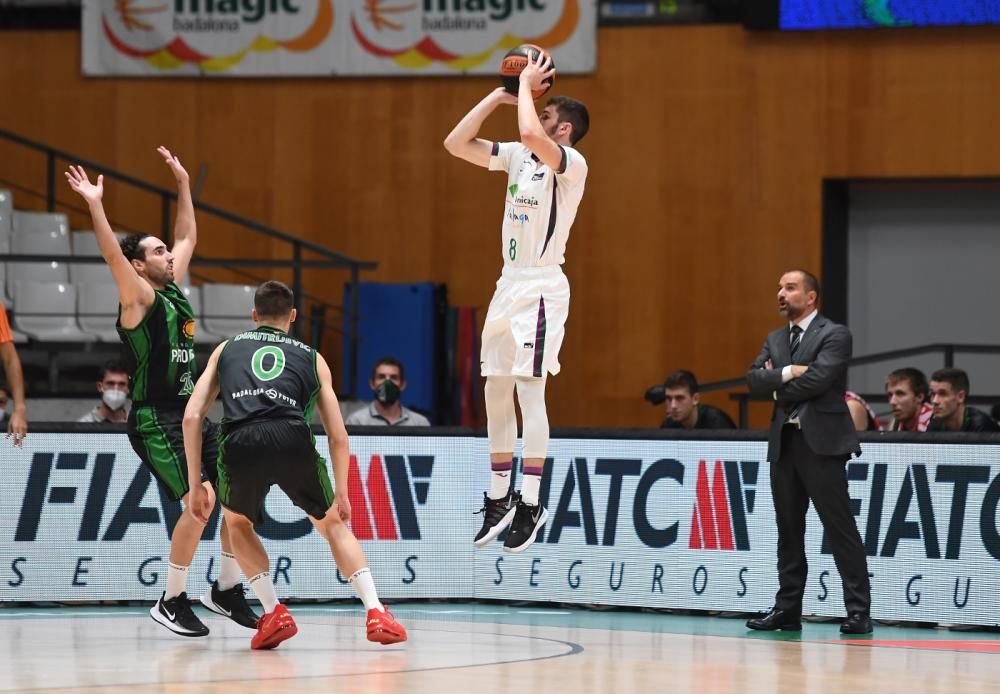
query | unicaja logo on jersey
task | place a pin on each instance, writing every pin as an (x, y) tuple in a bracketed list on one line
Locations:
[(719, 516), (383, 506)]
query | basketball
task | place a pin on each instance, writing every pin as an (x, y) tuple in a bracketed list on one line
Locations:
[(515, 61)]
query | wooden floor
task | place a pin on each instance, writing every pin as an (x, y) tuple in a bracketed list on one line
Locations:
[(482, 648)]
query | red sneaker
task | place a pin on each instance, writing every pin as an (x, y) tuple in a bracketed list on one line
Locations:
[(273, 628), (383, 627)]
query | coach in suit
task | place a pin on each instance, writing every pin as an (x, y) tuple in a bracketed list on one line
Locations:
[(803, 367)]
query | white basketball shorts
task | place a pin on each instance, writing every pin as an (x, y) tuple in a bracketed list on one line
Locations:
[(525, 323)]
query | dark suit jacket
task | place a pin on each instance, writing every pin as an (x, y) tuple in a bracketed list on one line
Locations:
[(826, 422)]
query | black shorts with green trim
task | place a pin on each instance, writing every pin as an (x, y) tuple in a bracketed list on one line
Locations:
[(157, 437), (259, 453)]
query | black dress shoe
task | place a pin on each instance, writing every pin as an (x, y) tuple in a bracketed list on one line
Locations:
[(857, 623), (777, 620)]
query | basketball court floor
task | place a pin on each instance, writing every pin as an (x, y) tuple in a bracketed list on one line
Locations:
[(483, 648)]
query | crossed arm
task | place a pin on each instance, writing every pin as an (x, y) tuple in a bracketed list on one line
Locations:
[(808, 381)]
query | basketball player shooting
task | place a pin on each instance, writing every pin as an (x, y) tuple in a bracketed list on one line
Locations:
[(526, 319)]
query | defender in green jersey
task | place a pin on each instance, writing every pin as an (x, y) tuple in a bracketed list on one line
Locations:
[(270, 383), (156, 327)]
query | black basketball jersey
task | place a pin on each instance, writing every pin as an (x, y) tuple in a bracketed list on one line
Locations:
[(159, 352), (267, 374)]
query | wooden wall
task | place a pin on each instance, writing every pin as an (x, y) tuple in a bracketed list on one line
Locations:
[(707, 152)]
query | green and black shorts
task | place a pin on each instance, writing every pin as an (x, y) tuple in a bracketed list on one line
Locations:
[(157, 437), (255, 454)]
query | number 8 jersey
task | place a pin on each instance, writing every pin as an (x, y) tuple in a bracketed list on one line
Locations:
[(540, 204), (267, 374)]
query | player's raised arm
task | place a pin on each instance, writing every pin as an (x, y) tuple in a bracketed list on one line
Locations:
[(185, 229), (133, 290), (533, 135), (464, 141)]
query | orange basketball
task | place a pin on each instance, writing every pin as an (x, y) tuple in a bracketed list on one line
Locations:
[(514, 62)]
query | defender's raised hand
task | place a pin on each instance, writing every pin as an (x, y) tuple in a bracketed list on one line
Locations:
[(80, 182), (174, 163)]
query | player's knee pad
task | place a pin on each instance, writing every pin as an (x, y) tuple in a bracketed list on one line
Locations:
[(534, 417), (501, 419)]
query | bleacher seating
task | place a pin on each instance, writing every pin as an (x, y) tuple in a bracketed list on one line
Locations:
[(38, 234), (46, 311), (97, 309), (84, 243), (54, 303), (226, 309)]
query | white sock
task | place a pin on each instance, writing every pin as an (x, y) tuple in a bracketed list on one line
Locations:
[(364, 586), (499, 484), (529, 489), (229, 572), (264, 590), (177, 578)]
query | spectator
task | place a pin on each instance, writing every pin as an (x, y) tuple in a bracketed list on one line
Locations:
[(388, 381), (907, 390), (4, 399), (862, 415), (683, 409), (112, 384), (17, 422), (949, 389)]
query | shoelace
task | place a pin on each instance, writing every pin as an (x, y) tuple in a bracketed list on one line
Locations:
[(493, 511)]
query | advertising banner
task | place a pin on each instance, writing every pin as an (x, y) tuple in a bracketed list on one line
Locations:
[(270, 38), (657, 523)]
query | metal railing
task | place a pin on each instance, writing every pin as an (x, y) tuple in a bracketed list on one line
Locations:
[(947, 350), (54, 159)]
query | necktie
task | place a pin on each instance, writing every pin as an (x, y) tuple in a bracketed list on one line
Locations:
[(793, 348)]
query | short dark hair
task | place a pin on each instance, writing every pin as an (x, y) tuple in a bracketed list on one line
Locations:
[(132, 248), (111, 367), (273, 299), (915, 377), (809, 279), (958, 379), (573, 112), (682, 378), (389, 360)]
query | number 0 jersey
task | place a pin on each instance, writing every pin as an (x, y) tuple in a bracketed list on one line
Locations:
[(266, 374), (540, 203)]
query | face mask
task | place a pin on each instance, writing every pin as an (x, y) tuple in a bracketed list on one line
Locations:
[(387, 392), (114, 399)]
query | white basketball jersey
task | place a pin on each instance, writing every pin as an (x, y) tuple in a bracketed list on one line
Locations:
[(541, 203)]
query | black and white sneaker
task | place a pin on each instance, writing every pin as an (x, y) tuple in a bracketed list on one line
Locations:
[(175, 614), (498, 514), (528, 520), (230, 603)]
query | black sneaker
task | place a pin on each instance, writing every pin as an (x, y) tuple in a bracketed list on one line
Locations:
[(527, 521), (230, 603), (498, 515), (175, 614)]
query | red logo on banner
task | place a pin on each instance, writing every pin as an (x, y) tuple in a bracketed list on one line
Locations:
[(373, 506), (711, 527)]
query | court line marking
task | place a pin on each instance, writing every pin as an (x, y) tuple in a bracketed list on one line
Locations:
[(574, 649)]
